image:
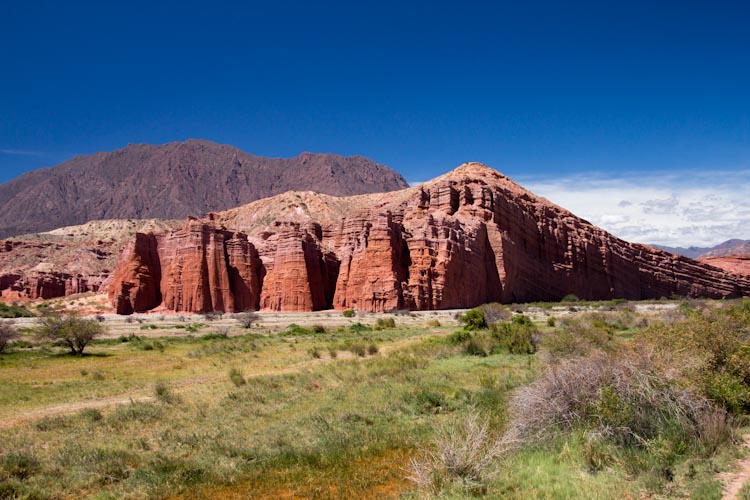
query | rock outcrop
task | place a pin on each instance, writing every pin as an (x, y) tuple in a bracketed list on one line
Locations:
[(737, 264), (465, 238), (69, 260), (200, 268)]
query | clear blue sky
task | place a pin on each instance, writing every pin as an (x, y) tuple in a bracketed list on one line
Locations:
[(531, 88)]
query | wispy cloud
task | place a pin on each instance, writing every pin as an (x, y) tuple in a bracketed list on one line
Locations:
[(20, 152), (676, 209)]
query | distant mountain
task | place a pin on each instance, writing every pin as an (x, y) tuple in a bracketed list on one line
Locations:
[(174, 180), (692, 252), (729, 247)]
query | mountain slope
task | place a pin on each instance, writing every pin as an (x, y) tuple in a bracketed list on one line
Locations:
[(174, 180)]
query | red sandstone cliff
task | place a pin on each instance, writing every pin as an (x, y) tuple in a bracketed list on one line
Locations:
[(465, 238), (737, 264), (199, 268)]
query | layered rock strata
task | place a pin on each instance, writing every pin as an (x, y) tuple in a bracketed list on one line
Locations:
[(468, 237), (200, 268), (737, 264)]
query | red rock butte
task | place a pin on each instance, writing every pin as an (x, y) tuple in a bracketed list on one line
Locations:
[(465, 238)]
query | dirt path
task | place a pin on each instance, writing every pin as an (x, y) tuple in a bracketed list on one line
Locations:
[(35, 414), (733, 481)]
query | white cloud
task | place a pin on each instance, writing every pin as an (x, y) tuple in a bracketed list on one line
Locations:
[(20, 152), (689, 208)]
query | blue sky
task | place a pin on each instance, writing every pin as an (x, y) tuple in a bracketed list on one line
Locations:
[(539, 90)]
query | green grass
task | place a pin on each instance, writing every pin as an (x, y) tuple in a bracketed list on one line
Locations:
[(222, 416)]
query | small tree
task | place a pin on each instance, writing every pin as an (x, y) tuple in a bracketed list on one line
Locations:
[(247, 318), (70, 330), (8, 333)]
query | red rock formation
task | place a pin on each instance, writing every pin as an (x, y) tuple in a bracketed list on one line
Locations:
[(468, 237), (737, 264), (135, 286), (374, 266), (301, 273), (200, 268)]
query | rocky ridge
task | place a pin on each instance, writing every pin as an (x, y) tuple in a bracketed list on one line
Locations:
[(174, 180), (468, 237)]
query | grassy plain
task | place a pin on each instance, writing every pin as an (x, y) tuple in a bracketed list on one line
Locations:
[(190, 408)]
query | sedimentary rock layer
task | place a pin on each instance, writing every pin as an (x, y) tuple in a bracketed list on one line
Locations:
[(737, 264), (468, 237)]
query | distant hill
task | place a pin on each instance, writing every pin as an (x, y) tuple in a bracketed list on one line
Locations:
[(174, 180), (729, 247)]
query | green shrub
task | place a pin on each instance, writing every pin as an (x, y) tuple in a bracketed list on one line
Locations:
[(570, 298), (478, 346), (372, 349), (91, 414), (349, 313), (318, 328), (577, 337), (473, 319), (358, 349), (713, 349), (19, 465), (14, 311), (519, 336), (295, 329), (551, 321), (164, 394), (383, 323), (459, 337), (236, 376), (359, 327), (433, 323)]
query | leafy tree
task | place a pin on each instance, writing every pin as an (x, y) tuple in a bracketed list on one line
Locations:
[(70, 330)]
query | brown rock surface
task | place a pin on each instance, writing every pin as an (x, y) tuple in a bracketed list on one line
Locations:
[(468, 237), (68, 260), (199, 268), (737, 264)]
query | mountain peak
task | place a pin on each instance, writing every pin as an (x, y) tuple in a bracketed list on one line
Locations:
[(174, 180)]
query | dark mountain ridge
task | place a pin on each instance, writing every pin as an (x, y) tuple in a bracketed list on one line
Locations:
[(175, 180)]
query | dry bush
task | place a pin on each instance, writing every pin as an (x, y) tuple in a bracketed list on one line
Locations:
[(8, 333), (624, 397), (247, 318), (495, 312), (464, 454)]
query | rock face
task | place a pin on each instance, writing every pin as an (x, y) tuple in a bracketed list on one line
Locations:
[(302, 275), (737, 264), (199, 268), (42, 280), (174, 181), (69, 260), (468, 237)]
